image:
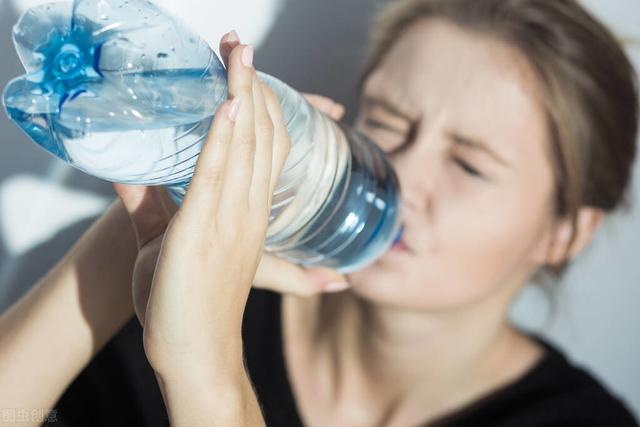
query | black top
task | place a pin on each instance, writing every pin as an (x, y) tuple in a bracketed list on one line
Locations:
[(118, 388)]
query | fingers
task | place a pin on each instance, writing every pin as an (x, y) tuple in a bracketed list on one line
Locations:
[(147, 210), (260, 196), (264, 127), (241, 72), (326, 105), (233, 173), (242, 151), (241, 161), (227, 43), (207, 183), (281, 276), (281, 141)]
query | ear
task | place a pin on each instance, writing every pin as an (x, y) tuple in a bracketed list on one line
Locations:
[(557, 247)]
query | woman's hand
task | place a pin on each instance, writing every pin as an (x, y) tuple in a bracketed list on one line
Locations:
[(209, 256), (151, 209), (212, 246)]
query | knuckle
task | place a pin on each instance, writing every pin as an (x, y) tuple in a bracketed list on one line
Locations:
[(211, 176), (241, 86), (245, 86), (265, 128), (247, 144)]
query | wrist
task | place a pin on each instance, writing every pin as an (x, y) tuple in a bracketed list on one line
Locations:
[(223, 366), (197, 401), (229, 382)]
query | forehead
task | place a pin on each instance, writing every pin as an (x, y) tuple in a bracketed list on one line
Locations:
[(483, 86)]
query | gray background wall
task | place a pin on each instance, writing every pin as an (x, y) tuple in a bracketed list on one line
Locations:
[(317, 47)]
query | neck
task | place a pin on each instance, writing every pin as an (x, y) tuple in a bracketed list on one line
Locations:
[(444, 352)]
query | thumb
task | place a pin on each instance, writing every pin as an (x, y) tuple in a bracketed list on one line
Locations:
[(146, 208), (281, 276)]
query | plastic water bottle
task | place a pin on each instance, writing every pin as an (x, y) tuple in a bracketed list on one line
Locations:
[(124, 91)]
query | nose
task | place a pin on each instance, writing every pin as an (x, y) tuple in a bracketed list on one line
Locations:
[(420, 169), (418, 175)]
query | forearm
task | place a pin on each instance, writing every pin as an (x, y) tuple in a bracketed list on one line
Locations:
[(227, 399), (51, 333)]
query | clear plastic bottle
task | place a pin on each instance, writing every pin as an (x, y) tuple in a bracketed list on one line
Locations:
[(125, 92)]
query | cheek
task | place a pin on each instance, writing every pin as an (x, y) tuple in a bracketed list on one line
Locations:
[(492, 234), (478, 241)]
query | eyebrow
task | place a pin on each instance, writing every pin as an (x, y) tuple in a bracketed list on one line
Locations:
[(370, 101), (477, 145), (381, 125), (373, 102)]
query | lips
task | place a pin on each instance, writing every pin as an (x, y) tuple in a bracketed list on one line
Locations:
[(399, 246), (398, 243)]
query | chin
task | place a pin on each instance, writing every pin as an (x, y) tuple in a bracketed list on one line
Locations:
[(385, 270), (393, 281), (385, 282)]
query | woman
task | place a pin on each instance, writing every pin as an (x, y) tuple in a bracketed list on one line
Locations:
[(511, 125)]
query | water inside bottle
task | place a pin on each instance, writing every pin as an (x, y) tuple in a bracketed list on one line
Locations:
[(112, 110), (357, 222), (133, 119)]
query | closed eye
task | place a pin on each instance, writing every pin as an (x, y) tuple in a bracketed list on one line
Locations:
[(375, 124), (467, 168), (390, 139)]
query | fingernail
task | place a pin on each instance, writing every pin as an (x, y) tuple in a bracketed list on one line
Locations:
[(233, 37), (335, 286), (247, 56), (233, 109)]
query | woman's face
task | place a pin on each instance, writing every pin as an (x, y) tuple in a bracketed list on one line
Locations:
[(459, 116)]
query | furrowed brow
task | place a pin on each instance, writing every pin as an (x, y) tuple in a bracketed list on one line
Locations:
[(371, 102), (478, 145)]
